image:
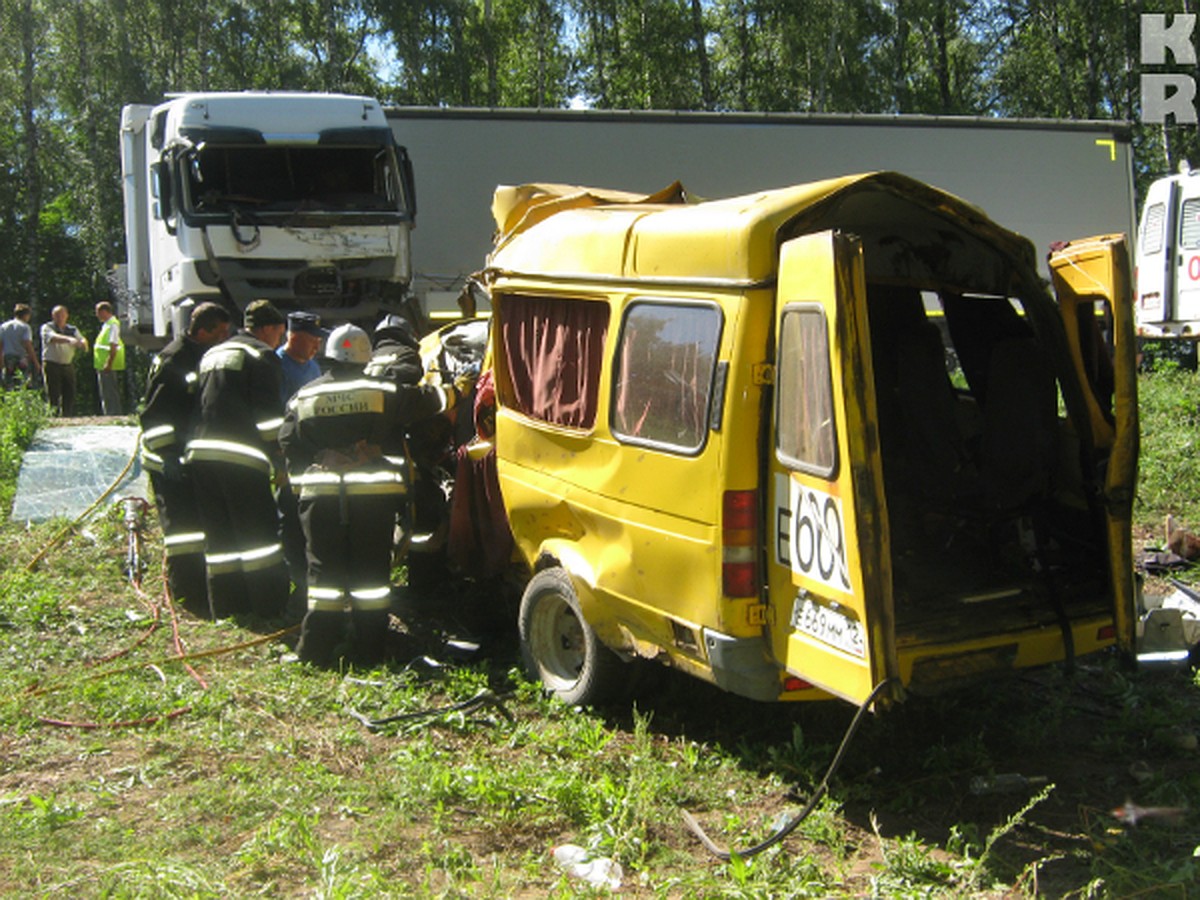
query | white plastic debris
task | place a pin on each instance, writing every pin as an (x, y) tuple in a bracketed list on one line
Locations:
[(579, 863), (1189, 614), (1168, 628)]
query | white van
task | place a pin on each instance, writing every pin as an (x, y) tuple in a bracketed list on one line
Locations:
[(1167, 273)]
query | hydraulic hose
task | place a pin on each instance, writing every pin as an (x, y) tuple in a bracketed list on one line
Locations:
[(791, 825), (485, 698)]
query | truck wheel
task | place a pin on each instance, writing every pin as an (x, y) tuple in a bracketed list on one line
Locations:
[(559, 646)]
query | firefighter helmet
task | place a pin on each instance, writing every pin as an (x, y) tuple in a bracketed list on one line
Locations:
[(348, 344), (395, 327)]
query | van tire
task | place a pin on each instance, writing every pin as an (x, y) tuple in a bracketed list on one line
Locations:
[(560, 648)]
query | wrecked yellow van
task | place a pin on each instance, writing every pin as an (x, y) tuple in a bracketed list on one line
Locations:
[(815, 441)]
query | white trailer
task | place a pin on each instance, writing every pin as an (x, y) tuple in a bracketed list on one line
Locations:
[(1048, 180), (304, 199)]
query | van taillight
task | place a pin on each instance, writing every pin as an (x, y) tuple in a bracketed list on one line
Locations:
[(1106, 633), (739, 544)]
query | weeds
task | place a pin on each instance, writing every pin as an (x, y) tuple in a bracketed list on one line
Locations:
[(22, 413), (1169, 481), (268, 785)]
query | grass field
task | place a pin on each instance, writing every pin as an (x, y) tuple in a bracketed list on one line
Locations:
[(232, 773)]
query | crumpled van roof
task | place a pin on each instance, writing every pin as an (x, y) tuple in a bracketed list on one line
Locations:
[(908, 228)]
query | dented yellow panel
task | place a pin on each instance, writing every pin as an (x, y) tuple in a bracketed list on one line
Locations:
[(611, 511)]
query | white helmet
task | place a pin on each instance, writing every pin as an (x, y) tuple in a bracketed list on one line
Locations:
[(348, 344)]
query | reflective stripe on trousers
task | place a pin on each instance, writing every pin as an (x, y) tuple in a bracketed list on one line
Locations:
[(337, 600), (183, 544), (320, 483), (252, 560), (158, 437), (209, 450)]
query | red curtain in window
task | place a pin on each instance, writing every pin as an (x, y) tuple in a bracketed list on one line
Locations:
[(554, 350)]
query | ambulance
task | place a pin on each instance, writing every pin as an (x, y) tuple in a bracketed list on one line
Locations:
[(1168, 258)]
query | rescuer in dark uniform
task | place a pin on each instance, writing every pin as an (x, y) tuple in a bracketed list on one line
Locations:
[(395, 353), (233, 452), (166, 420), (334, 437), (396, 358)]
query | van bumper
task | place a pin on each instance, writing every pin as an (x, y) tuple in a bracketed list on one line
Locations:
[(740, 665)]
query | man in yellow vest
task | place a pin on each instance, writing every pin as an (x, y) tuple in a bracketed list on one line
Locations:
[(108, 357)]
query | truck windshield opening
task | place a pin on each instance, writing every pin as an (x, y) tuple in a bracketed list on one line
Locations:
[(222, 178)]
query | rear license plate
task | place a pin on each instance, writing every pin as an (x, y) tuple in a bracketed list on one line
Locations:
[(828, 625)]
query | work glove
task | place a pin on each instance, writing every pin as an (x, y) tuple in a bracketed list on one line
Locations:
[(464, 381)]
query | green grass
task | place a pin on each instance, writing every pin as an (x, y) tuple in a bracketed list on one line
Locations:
[(21, 414), (1169, 478), (267, 785)]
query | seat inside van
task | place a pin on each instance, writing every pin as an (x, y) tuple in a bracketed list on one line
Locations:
[(973, 459)]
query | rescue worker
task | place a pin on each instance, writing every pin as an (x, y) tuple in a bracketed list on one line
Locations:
[(166, 419), (395, 353), (233, 452), (396, 358), (334, 437)]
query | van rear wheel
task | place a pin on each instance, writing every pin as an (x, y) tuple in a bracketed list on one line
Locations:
[(559, 646)]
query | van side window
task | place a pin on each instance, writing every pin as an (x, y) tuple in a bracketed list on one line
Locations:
[(805, 434), (663, 374), (1189, 237), (1152, 228), (553, 351)]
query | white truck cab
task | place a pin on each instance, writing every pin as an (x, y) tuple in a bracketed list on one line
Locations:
[(304, 199)]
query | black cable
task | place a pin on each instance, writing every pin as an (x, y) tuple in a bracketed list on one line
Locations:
[(483, 698), (794, 822)]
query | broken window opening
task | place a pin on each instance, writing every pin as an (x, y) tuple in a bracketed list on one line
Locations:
[(220, 178)]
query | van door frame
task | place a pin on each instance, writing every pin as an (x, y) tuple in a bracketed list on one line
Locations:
[(1085, 272), (833, 626)]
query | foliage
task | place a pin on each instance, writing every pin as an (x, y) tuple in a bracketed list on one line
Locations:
[(66, 68), (1168, 483), (22, 412)]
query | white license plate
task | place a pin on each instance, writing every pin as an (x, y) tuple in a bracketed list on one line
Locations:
[(829, 626)]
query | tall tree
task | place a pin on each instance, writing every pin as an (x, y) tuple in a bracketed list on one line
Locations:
[(821, 56), (435, 57), (333, 34), (639, 54), (527, 39), (700, 43), (29, 26)]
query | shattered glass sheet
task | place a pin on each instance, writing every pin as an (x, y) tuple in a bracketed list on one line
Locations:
[(66, 469)]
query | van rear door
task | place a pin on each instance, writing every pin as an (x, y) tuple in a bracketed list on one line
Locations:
[(830, 606), (1185, 200), (1156, 253), (1092, 283)]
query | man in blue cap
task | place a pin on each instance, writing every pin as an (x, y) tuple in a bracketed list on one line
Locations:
[(305, 335)]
